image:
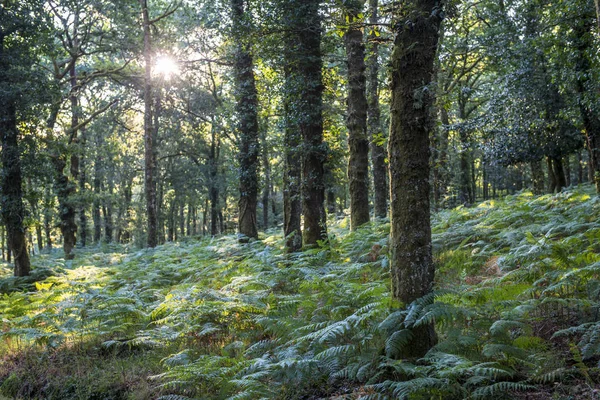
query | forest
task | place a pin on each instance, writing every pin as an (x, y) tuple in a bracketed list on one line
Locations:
[(299, 199)]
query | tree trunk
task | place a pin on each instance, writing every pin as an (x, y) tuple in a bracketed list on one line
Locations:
[(358, 142), (149, 135), (11, 203), (247, 113), (567, 165), (537, 177), (309, 66), (559, 173), (412, 269), (579, 168), (267, 185), (376, 135), (552, 179), (82, 188), (64, 192)]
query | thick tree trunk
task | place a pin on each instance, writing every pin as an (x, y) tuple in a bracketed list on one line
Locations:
[(149, 135), (11, 203), (309, 73), (413, 55), (376, 135), (537, 177), (358, 142), (247, 113), (559, 173)]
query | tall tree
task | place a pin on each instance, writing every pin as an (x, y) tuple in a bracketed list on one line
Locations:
[(413, 56), (18, 41), (303, 107), (149, 151), (376, 136), (358, 142), (247, 114)]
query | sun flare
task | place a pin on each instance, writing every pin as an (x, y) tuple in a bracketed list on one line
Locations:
[(166, 66)]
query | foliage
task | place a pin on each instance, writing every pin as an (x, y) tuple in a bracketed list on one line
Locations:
[(516, 309)]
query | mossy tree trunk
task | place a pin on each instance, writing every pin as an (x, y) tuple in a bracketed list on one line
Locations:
[(247, 113), (304, 189), (413, 55), (149, 136), (11, 205), (376, 135), (358, 141)]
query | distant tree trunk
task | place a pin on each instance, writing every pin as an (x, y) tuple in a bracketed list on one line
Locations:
[(358, 142), (48, 219), (214, 184), (579, 168), (108, 216), (247, 113), (11, 203), (267, 185), (181, 219), (537, 177), (149, 156), (552, 178), (82, 189), (2, 242), (465, 171), (441, 159), (171, 222), (376, 135), (567, 165), (411, 262)]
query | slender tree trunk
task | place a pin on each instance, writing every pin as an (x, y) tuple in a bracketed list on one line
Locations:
[(2, 242), (11, 203), (108, 216), (267, 185), (567, 165), (247, 113), (149, 156), (552, 179), (411, 262), (358, 142), (82, 188), (579, 168), (376, 135)]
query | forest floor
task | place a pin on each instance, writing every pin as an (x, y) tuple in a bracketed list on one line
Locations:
[(516, 309)]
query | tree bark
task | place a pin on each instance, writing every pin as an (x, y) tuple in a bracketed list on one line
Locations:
[(376, 135), (358, 142), (247, 113), (149, 156), (412, 269), (11, 203)]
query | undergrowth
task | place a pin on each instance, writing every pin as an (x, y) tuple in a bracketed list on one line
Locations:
[(515, 308)]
